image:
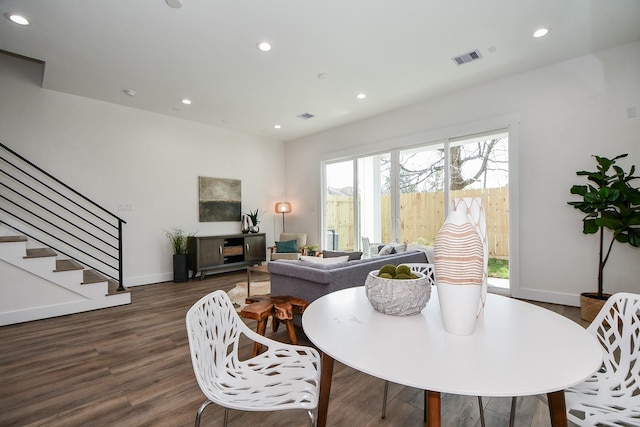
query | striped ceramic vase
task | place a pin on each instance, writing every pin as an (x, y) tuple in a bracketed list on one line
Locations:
[(459, 272)]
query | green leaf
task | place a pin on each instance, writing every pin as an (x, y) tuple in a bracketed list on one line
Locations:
[(590, 226), (634, 237)]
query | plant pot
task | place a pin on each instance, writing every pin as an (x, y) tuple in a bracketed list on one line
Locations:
[(180, 268), (590, 305)]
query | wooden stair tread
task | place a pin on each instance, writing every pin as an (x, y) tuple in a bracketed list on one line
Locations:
[(68, 265), (40, 253), (113, 286), (7, 239), (92, 276)]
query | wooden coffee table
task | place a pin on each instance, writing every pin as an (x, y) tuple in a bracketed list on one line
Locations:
[(280, 308)]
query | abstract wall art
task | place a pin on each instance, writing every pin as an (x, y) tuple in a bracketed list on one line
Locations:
[(219, 199)]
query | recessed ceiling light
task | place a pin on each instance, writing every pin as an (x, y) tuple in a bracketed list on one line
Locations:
[(276, 126), (17, 19), (540, 33), (264, 46), (186, 101), (361, 96), (130, 92)]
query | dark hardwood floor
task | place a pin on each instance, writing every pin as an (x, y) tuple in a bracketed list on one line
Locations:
[(130, 366)]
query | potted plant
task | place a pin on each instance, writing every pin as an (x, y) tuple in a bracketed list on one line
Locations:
[(310, 250), (178, 239), (609, 201), (254, 217)]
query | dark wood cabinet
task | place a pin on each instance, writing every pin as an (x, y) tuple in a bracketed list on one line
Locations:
[(210, 254)]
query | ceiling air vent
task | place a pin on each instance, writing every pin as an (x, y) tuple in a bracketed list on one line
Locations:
[(305, 116), (467, 57)]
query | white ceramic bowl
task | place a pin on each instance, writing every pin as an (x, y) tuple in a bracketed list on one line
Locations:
[(398, 297)]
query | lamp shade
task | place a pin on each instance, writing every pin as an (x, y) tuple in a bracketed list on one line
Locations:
[(283, 207)]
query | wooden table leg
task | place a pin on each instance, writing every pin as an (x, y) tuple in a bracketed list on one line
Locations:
[(248, 281), (291, 331), (325, 389), (433, 411), (557, 408), (262, 326)]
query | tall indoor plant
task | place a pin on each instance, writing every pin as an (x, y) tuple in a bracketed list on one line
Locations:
[(609, 201), (178, 239)]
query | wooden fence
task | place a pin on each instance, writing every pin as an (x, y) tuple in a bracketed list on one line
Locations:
[(422, 216)]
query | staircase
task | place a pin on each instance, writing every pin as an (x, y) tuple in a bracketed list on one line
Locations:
[(37, 284), (60, 252)]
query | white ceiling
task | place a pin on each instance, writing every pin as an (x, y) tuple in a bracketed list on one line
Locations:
[(397, 52)]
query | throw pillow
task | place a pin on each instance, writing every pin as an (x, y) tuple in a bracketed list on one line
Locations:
[(393, 248), (353, 256), (318, 260), (290, 246)]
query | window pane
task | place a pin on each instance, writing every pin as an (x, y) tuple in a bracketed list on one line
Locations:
[(374, 205), (421, 182), (480, 168), (339, 212)]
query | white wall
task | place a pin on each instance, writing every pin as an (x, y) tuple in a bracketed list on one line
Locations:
[(114, 154), (567, 112)]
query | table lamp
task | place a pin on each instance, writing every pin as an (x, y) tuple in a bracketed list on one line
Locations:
[(283, 207)]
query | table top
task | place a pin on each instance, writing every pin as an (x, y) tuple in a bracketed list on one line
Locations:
[(517, 348)]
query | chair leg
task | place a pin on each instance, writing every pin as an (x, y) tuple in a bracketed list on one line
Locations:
[(512, 416), (312, 420), (384, 399), (426, 407), (481, 406), (200, 411), (226, 417)]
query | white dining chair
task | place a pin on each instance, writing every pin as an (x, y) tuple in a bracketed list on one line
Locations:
[(283, 377), (611, 396)]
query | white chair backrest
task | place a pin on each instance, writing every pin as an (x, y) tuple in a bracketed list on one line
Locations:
[(617, 328), (213, 329), (422, 267)]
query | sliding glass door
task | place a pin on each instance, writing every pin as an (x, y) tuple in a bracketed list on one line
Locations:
[(404, 195), (421, 186)]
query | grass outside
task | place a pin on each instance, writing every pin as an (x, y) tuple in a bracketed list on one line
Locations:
[(499, 268)]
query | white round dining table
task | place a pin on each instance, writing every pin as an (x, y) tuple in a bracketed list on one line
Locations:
[(516, 349)]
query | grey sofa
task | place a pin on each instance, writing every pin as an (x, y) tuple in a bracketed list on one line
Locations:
[(310, 281)]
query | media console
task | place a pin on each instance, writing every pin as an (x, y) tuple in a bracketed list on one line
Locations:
[(216, 254)]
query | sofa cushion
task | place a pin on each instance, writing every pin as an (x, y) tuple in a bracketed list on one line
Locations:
[(353, 256), (393, 248), (290, 246), (330, 260)]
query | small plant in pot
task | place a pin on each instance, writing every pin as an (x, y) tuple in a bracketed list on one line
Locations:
[(178, 239), (609, 201), (254, 218)]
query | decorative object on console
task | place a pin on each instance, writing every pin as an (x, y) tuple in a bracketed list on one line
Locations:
[(178, 239), (245, 224), (459, 271), (220, 199), (609, 201), (254, 218), (283, 208), (396, 295)]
